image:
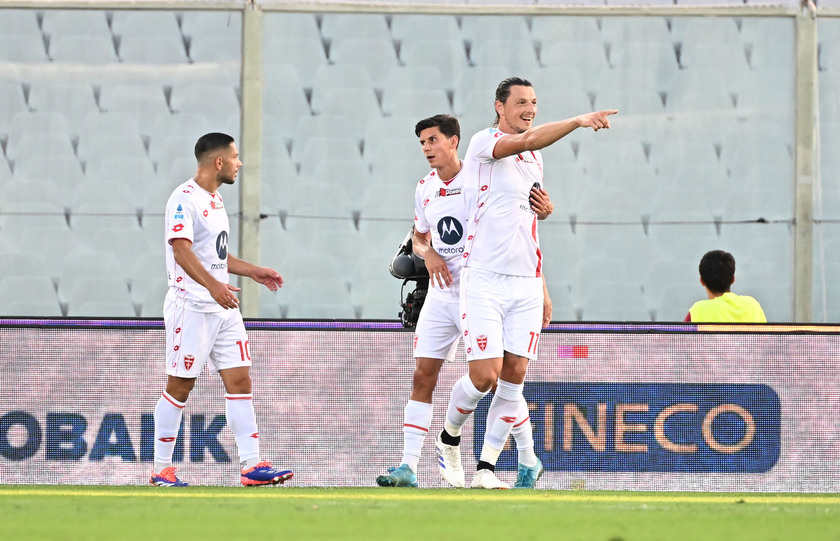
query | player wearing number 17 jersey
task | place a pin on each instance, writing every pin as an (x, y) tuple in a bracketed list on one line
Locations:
[(440, 213), (201, 314), (502, 287)]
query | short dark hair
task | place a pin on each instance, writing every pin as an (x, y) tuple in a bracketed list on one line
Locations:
[(503, 90), (717, 269), (210, 142), (448, 125)]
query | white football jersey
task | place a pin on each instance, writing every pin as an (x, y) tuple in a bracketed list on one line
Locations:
[(440, 207), (195, 214), (502, 229)]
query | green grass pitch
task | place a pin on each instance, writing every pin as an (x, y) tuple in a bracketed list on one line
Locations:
[(206, 513)]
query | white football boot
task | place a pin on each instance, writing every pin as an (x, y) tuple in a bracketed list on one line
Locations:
[(449, 463)]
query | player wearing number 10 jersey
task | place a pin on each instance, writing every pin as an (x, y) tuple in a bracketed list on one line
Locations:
[(201, 313)]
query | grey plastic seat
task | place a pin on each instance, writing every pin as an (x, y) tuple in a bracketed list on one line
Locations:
[(291, 25), (82, 49), (145, 49), (217, 49), (11, 102), (28, 296), (19, 21), (306, 54), (450, 58), (75, 22), (376, 55), (135, 23), (24, 48), (220, 23), (406, 27), (418, 103), (518, 54), (73, 100), (41, 144), (476, 27), (338, 27), (625, 30), (66, 171)]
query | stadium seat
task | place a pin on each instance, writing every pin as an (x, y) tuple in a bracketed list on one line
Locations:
[(329, 77), (86, 265), (387, 127), (38, 122), (379, 299), (143, 23), (214, 102), (99, 147), (450, 57), (88, 218), (73, 100), (475, 27), (407, 27), (33, 192), (136, 172), (474, 89), (506, 52), (291, 25), (546, 29), (671, 302), (284, 108), (705, 30), (349, 175), (339, 27), (23, 48), (220, 23), (97, 125), (20, 22), (146, 49), (29, 144), (761, 96), (589, 57), (358, 105), (729, 59), (306, 55), (340, 148), (417, 103), (65, 171), (28, 296), (75, 22), (217, 49), (413, 77), (82, 49), (376, 55), (646, 66), (12, 102), (621, 31), (700, 91), (5, 172)]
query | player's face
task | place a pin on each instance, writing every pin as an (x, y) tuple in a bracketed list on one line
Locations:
[(439, 149), (230, 165), (517, 113)]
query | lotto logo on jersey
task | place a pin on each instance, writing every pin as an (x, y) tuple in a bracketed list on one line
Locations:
[(177, 227), (450, 230), (481, 342)]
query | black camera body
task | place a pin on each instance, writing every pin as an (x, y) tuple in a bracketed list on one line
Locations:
[(408, 267)]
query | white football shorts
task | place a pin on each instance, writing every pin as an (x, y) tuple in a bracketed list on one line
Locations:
[(500, 313), (437, 332), (194, 339)]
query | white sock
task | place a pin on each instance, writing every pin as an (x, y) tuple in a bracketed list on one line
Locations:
[(416, 423), (167, 423), (523, 433), (501, 417), (239, 411), (462, 402)]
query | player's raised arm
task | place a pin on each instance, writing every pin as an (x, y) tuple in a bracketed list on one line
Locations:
[(549, 133)]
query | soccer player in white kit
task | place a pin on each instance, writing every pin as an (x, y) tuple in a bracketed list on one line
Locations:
[(502, 285), (201, 314), (440, 213)]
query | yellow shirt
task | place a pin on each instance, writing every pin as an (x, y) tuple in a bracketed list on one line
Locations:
[(728, 308)]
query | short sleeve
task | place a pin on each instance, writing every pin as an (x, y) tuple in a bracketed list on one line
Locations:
[(181, 219)]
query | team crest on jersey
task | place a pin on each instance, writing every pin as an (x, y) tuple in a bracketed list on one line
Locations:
[(188, 361), (481, 342)]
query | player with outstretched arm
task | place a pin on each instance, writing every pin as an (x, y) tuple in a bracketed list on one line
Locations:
[(438, 238), (502, 284)]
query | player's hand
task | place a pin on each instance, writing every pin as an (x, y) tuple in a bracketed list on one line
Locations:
[(547, 309), (596, 120), (223, 294), (438, 271), (540, 203), (268, 277)]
